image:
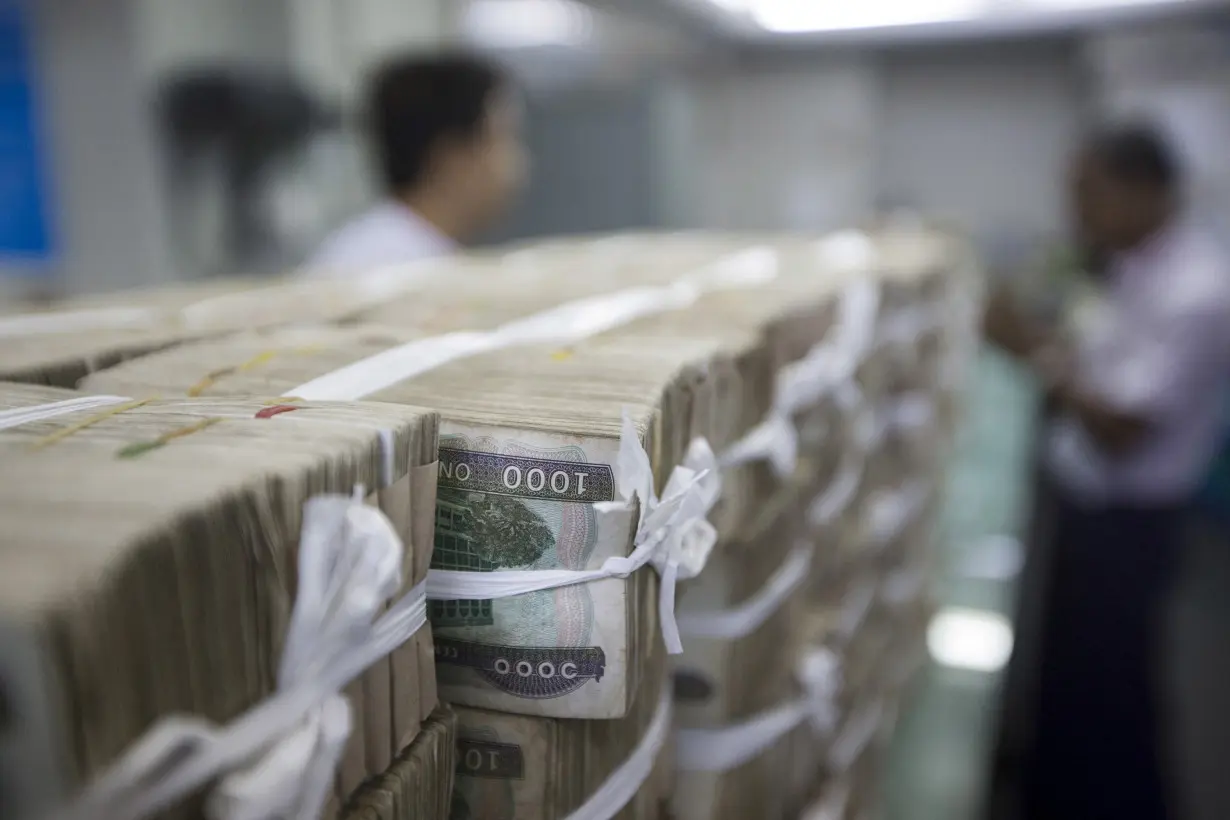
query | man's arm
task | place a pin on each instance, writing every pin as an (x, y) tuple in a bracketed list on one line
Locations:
[(1114, 430), (1166, 363), (1004, 325)]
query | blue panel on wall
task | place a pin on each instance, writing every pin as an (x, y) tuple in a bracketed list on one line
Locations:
[(26, 238)]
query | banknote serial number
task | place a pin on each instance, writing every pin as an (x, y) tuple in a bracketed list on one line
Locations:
[(526, 477)]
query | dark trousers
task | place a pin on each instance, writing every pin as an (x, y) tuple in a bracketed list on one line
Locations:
[(1096, 753)]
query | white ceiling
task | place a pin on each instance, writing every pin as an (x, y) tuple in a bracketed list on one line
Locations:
[(805, 22), (564, 43), (777, 22)]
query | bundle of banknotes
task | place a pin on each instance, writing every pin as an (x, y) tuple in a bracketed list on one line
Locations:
[(564, 375), (418, 784), (59, 344), (149, 554), (729, 676)]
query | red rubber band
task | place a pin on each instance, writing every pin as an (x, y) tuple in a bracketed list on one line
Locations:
[(276, 410)]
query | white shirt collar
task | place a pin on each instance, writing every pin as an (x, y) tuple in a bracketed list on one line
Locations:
[(390, 233)]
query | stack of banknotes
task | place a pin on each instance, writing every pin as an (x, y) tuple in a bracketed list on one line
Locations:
[(862, 603), (878, 615), (418, 783), (580, 385), (150, 556), (60, 344)]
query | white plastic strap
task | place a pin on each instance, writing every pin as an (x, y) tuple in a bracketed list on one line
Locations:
[(908, 324), (721, 750), (672, 534), (855, 737), (832, 806), (833, 361), (855, 608), (277, 760), (913, 411), (892, 511), (774, 439), (744, 619), (860, 305), (41, 412), (839, 494), (904, 586), (566, 324), (626, 781), (801, 384), (850, 248)]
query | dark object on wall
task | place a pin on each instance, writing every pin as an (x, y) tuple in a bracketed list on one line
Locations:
[(242, 121)]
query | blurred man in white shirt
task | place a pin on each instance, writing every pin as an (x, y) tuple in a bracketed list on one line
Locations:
[(1138, 393), (446, 135)]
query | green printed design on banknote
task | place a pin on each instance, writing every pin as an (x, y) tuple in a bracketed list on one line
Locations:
[(506, 504)]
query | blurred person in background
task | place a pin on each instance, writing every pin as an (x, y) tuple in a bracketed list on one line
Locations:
[(1136, 393), (446, 135)]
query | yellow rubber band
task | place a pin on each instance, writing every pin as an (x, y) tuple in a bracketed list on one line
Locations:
[(65, 432), (251, 364), (140, 448)]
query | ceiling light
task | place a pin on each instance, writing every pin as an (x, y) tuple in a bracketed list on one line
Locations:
[(527, 23), (733, 6), (798, 16), (1091, 5)]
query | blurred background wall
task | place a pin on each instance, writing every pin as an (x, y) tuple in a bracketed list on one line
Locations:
[(641, 114)]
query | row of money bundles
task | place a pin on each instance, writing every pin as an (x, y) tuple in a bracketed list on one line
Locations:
[(256, 535), (808, 624)]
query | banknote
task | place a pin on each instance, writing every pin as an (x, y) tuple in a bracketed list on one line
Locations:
[(522, 767), (525, 500), (494, 781)]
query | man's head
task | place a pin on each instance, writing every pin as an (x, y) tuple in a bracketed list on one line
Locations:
[(1125, 186), (447, 133)]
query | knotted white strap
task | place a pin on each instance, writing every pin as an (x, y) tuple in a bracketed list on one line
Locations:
[(744, 619), (626, 781), (721, 750), (829, 365), (672, 534), (278, 759), (41, 412)]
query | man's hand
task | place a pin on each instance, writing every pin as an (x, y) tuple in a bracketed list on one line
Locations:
[(1114, 431)]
